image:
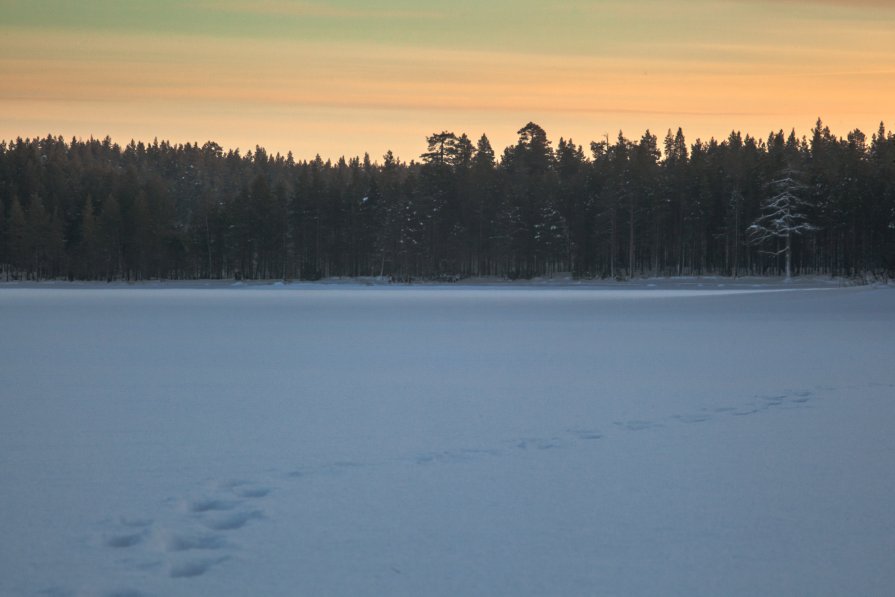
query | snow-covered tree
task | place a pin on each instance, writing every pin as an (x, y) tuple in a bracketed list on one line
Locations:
[(783, 215)]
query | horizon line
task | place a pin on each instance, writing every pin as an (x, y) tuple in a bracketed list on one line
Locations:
[(68, 139)]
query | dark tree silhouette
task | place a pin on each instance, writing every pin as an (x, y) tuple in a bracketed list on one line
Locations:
[(91, 209)]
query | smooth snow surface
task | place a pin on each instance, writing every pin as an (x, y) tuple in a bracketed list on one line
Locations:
[(447, 441)]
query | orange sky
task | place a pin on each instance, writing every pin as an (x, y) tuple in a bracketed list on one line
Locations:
[(343, 78)]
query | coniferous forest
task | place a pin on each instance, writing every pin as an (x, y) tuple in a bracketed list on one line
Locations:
[(94, 210)]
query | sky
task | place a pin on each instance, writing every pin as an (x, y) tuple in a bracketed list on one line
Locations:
[(345, 77)]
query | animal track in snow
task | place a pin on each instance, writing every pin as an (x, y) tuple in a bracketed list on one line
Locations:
[(121, 541), (245, 489), (251, 492), (192, 568), (637, 425), (333, 468), (586, 434), (453, 456), (759, 404), (537, 443), (125, 593), (211, 505), (231, 522), (208, 523), (182, 542), (692, 418), (190, 527)]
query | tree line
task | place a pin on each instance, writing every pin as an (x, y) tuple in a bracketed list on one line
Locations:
[(93, 210)]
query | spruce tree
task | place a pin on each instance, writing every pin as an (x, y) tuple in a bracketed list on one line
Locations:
[(87, 247), (16, 238)]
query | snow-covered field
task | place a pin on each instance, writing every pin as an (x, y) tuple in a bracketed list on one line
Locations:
[(669, 439)]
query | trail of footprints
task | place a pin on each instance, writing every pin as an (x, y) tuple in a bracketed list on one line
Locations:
[(201, 534), (198, 534)]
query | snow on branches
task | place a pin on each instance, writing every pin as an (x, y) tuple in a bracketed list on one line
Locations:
[(784, 214)]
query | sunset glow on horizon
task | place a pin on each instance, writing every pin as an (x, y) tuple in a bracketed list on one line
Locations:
[(346, 77)]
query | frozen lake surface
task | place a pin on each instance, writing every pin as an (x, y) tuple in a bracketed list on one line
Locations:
[(683, 439)]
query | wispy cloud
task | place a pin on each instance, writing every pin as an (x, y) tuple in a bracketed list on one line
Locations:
[(250, 74), (299, 8), (851, 4), (255, 71)]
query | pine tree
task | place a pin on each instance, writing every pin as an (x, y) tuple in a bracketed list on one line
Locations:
[(55, 248), (4, 249), (110, 237), (677, 195), (645, 166), (37, 236), (458, 211), (442, 149), (571, 199), (16, 237), (784, 215), (143, 253), (88, 246)]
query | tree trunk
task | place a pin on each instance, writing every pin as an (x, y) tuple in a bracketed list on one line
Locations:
[(631, 238), (788, 256), (612, 234)]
